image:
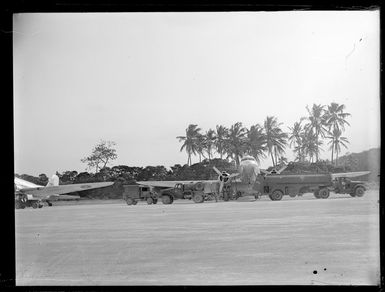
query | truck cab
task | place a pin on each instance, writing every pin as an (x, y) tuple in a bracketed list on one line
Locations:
[(344, 185)]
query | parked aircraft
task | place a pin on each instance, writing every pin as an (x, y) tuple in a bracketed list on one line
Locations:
[(29, 194)]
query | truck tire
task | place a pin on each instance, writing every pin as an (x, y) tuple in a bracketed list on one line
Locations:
[(199, 186), (155, 201), (166, 199), (35, 205), (198, 198), (129, 201), (359, 191), (276, 195), (324, 193), (316, 194), (135, 202), (150, 201)]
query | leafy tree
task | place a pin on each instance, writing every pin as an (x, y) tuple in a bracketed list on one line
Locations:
[(295, 139), (209, 142), (190, 141), (256, 142), (336, 141), (220, 141), (101, 155), (236, 142), (316, 124), (276, 139), (336, 117)]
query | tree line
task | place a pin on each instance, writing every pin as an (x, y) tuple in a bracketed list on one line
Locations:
[(323, 123)]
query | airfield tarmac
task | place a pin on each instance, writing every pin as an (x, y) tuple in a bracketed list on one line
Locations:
[(296, 241)]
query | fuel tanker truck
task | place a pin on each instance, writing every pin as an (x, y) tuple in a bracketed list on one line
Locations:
[(278, 185)]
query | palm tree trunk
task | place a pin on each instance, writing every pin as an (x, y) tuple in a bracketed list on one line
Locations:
[(332, 153), (272, 158)]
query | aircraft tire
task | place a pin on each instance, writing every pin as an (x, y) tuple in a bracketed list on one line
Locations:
[(324, 193), (276, 195), (166, 200), (17, 205), (129, 201), (198, 198), (359, 191), (150, 201), (34, 205), (40, 206)]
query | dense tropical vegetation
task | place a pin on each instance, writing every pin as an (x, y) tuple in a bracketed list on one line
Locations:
[(270, 139), (223, 147)]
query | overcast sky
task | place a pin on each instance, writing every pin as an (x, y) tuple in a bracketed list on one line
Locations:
[(139, 79)]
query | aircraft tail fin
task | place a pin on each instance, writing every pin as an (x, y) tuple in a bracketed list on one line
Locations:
[(53, 181)]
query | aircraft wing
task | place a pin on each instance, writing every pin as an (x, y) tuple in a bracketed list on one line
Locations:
[(63, 189), (169, 184), (349, 174)]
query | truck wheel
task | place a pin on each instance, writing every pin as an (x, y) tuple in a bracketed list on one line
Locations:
[(135, 202), (199, 186), (352, 195), (129, 201), (166, 199), (198, 198), (359, 191), (150, 201), (276, 195), (316, 194), (35, 205), (155, 201), (324, 193)]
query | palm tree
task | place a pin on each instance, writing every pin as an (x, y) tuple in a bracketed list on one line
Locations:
[(317, 123), (200, 146), (336, 141), (221, 134), (190, 141), (296, 139), (256, 142), (310, 145), (236, 142), (336, 117), (209, 142), (276, 139)]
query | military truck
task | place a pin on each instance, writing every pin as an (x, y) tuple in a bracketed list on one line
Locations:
[(276, 186), (344, 185), (134, 193), (194, 191)]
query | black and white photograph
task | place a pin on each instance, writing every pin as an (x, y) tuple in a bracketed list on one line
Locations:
[(197, 148)]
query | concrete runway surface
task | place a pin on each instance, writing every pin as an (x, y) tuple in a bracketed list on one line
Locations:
[(294, 241)]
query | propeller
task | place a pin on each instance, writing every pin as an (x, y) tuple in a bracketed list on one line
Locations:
[(223, 178)]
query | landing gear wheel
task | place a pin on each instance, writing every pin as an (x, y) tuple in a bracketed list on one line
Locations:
[(324, 193), (49, 204), (150, 201), (40, 206), (129, 201), (359, 191), (198, 198), (17, 205), (166, 199), (35, 205), (276, 195)]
